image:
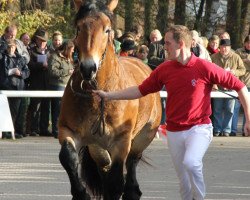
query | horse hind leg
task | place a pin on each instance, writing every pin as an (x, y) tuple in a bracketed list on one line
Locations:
[(131, 190), (114, 181), (69, 160)]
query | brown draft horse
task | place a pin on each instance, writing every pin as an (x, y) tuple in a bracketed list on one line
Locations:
[(98, 140)]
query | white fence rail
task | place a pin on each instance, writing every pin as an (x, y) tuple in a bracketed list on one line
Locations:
[(5, 111), (48, 94)]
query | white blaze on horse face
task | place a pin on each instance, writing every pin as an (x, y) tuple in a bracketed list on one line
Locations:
[(103, 45)]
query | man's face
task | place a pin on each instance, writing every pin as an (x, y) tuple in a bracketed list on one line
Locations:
[(154, 37), (10, 34), (26, 39), (224, 50), (171, 46), (41, 43)]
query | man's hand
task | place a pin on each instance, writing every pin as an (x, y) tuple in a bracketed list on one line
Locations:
[(247, 129), (99, 94)]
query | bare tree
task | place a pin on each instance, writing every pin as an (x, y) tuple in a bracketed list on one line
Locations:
[(148, 17), (33, 4), (180, 12), (210, 17), (162, 16), (245, 9), (233, 22), (198, 15), (129, 14), (25, 5)]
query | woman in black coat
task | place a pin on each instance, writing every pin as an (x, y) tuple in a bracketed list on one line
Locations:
[(13, 72)]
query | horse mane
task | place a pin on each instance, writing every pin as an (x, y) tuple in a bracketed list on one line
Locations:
[(91, 7)]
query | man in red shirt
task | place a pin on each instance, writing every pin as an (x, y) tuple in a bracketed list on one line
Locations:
[(188, 81)]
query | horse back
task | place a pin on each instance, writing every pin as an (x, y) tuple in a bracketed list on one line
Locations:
[(149, 111)]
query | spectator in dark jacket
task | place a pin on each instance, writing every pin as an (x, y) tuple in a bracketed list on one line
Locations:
[(13, 71), (39, 107), (156, 54)]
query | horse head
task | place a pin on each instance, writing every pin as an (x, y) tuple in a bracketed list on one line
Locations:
[(93, 23)]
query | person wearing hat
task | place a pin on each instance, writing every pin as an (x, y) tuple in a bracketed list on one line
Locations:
[(223, 108), (13, 72), (127, 48), (38, 110)]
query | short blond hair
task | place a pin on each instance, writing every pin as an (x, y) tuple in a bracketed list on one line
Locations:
[(181, 32)]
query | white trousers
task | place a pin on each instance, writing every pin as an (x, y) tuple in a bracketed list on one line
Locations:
[(187, 149)]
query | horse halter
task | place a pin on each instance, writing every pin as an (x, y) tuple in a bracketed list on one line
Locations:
[(99, 125)]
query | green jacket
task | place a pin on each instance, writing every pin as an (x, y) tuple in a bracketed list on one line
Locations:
[(59, 68)]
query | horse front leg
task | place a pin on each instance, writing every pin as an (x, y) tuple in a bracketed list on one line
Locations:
[(132, 190), (69, 160), (113, 181)]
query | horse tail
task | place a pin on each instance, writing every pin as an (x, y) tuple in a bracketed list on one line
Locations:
[(90, 174)]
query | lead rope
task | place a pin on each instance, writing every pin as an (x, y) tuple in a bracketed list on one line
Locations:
[(100, 122), (233, 96)]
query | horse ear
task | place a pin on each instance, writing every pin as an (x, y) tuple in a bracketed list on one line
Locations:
[(78, 4), (112, 5)]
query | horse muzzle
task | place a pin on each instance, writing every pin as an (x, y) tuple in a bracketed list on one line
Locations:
[(88, 69)]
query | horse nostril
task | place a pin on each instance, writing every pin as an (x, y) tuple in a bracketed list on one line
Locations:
[(88, 69)]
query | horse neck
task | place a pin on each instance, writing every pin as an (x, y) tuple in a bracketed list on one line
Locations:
[(110, 72)]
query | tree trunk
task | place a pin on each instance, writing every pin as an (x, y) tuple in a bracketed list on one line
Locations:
[(198, 21), (43, 4), (162, 16), (244, 13), (129, 14), (25, 5), (233, 22), (148, 18), (180, 12), (209, 24)]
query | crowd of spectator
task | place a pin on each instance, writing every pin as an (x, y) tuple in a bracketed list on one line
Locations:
[(30, 63)]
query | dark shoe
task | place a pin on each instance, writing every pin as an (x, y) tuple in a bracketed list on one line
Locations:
[(55, 135), (25, 134), (232, 134), (216, 134), (18, 136), (6, 135), (243, 134), (45, 133), (226, 134), (34, 134)]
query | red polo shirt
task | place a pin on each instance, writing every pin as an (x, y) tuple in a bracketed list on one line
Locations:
[(188, 87)]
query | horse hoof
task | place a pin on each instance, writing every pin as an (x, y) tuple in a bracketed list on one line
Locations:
[(82, 197), (131, 197)]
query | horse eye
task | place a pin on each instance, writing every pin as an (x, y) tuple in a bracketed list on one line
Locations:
[(107, 31)]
